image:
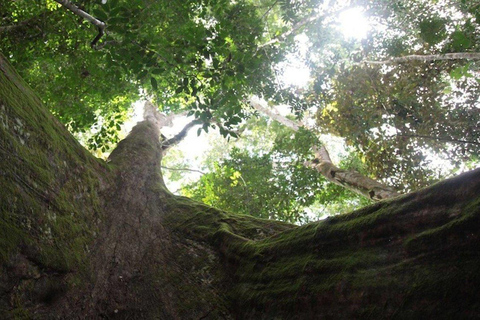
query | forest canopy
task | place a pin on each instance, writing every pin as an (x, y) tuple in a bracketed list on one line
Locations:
[(403, 99)]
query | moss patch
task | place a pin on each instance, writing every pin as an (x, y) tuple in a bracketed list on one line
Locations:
[(50, 203)]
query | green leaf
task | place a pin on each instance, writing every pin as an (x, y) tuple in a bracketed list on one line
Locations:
[(142, 74), (154, 83), (432, 30), (157, 71), (100, 14), (460, 41)]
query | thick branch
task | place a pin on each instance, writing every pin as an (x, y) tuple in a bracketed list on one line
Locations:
[(181, 135), (429, 57), (351, 180), (13, 26), (79, 12)]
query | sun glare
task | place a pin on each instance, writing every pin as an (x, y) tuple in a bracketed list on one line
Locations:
[(353, 23), (295, 74), (294, 71)]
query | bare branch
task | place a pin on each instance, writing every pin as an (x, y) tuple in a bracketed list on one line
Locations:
[(270, 8), (181, 135), (273, 114), (183, 169), (322, 153), (13, 26), (79, 12), (351, 180), (428, 57)]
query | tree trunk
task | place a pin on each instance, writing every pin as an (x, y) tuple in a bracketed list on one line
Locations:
[(85, 239)]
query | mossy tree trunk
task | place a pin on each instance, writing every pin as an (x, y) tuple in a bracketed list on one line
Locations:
[(82, 238)]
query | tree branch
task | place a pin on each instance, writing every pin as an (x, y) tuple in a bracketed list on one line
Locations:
[(351, 180), (79, 12), (183, 169), (429, 57), (181, 135), (30, 23), (13, 26), (273, 114), (270, 8)]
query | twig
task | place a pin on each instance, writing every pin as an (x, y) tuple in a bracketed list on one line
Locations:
[(183, 169)]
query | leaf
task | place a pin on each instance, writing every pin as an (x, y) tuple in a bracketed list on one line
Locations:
[(142, 74), (153, 81), (99, 14), (460, 41), (432, 30), (157, 71)]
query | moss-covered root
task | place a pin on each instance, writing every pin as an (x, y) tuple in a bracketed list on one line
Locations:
[(414, 257)]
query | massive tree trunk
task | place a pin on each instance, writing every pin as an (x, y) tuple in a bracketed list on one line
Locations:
[(83, 238)]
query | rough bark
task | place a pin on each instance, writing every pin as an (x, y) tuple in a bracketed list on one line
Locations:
[(352, 180), (84, 239)]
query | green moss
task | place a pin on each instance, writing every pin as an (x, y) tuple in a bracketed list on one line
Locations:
[(364, 259), (49, 199)]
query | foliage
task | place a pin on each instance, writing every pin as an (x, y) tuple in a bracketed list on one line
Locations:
[(400, 118), (266, 177), (208, 56), (195, 55), (397, 118)]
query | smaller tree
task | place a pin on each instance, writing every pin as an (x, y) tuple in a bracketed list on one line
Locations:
[(264, 175)]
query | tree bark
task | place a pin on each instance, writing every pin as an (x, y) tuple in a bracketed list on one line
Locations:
[(81, 238), (322, 163)]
